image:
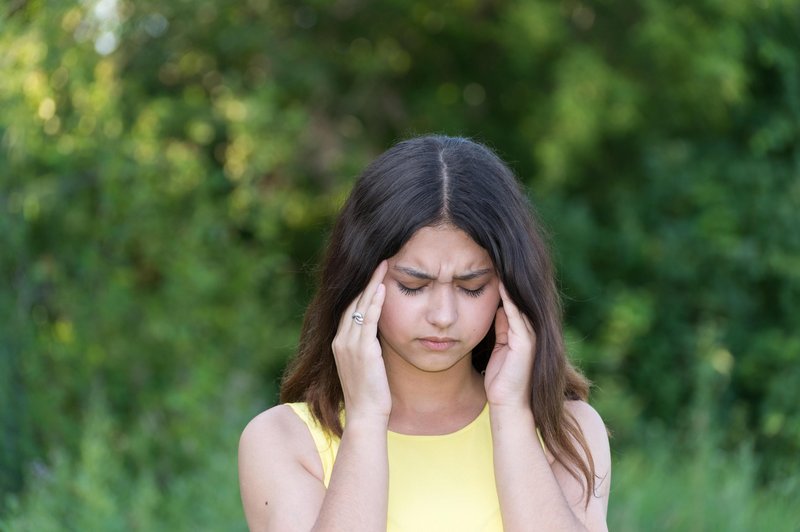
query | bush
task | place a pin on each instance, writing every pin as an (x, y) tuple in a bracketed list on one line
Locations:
[(168, 173)]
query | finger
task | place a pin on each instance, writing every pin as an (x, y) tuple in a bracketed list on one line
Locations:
[(501, 327), (373, 313), (357, 305), (516, 319), (346, 319), (366, 297)]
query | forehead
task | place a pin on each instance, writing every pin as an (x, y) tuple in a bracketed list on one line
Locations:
[(442, 251)]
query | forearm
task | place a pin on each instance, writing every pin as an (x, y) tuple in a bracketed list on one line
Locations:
[(358, 494), (530, 496)]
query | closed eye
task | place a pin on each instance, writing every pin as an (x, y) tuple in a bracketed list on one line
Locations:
[(414, 291), (474, 293), (409, 291)]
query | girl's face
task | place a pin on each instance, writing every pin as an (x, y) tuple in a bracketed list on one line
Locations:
[(441, 298)]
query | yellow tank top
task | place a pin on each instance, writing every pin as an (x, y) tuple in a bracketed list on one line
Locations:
[(436, 483)]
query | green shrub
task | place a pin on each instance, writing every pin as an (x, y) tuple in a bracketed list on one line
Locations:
[(168, 172), (665, 487)]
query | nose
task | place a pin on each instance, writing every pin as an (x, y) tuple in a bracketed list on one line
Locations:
[(442, 308)]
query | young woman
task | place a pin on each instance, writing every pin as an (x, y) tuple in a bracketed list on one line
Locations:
[(431, 389)]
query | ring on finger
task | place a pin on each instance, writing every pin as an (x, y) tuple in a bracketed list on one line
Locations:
[(358, 318)]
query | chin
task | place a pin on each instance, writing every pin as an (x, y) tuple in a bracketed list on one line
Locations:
[(436, 362)]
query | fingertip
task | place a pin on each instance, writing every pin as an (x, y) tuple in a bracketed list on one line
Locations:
[(380, 293), (503, 291), (381, 269)]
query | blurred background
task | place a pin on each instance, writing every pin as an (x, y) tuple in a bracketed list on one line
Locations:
[(169, 171)]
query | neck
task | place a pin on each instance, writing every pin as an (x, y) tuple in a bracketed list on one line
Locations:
[(438, 402)]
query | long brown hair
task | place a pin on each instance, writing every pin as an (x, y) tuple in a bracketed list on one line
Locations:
[(429, 181)]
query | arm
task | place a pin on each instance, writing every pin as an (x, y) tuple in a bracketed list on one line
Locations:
[(280, 473), (280, 476), (358, 495), (534, 492), (531, 489), (279, 469)]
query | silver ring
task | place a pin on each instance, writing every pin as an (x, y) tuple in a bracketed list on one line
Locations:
[(358, 318)]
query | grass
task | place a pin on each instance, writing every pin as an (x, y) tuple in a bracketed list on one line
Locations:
[(659, 487), (655, 487)]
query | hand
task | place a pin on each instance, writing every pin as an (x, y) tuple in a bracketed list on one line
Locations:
[(358, 355), (509, 373)]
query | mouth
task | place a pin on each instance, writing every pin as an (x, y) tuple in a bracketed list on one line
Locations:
[(436, 343)]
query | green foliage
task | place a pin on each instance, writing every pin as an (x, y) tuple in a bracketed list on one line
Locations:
[(168, 172), (93, 491), (663, 488)]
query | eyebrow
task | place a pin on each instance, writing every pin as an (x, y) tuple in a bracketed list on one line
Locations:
[(428, 277)]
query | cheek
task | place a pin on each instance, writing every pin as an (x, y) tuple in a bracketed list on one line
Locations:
[(484, 314), (391, 313)]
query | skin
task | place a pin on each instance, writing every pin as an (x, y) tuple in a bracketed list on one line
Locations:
[(452, 295), (408, 369)]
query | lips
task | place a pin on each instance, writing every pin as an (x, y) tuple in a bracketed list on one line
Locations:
[(436, 343)]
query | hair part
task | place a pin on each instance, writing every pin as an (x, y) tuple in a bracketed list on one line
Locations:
[(434, 181)]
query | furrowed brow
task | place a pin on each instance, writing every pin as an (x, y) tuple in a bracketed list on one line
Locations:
[(472, 275), (417, 274)]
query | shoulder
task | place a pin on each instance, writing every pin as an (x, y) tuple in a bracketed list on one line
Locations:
[(275, 438), (277, 424), (595, 434), (279, 417), (588, 419), (277, 458), (277, 432), (594, 431)]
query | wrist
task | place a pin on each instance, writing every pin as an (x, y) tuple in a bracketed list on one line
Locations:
[(508, 394), (512, 412), (365, 422), (510, 404)]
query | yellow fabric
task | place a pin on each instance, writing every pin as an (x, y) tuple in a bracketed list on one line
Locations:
[(436, 483), (327, 444)]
